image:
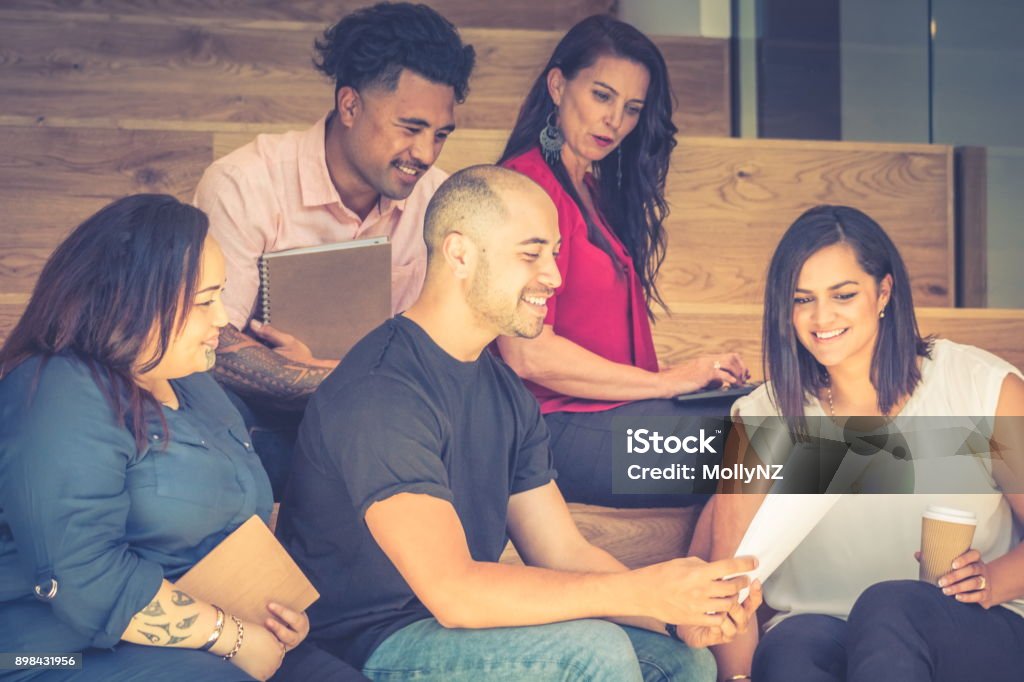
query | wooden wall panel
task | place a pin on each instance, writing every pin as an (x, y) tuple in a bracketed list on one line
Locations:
[(52, 179), (208, 73), (732, 199), (539, 14), (699, 329)]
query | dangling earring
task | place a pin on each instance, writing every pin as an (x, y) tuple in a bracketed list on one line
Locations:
[(551, 140), (881, 315), (618, 173)]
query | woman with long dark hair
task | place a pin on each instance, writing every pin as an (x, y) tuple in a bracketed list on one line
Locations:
[(122, 463), (843, 354), (596, 133)]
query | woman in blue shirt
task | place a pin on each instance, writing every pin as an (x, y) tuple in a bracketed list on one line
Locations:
[(122, 463)]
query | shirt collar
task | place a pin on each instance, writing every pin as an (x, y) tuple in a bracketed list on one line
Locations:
[(315, 180)]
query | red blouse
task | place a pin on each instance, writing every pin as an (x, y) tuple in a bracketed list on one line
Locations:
[(600, 305)]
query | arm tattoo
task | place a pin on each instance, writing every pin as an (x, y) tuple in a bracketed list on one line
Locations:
[(186, 623), (179, 598), (252, 370), (154, 638), (154, 609), (163, 626)]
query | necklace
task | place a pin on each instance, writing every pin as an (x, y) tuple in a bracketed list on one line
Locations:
[(831, 406)]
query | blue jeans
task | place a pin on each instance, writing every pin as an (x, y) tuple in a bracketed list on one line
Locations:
[(584, 650)]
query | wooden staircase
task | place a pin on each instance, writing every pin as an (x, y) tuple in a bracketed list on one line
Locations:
[(102, 98)]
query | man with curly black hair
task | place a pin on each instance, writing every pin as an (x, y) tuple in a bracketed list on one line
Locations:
[(364, 170)]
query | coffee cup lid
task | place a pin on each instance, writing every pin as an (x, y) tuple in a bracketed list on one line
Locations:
[(950, 514)]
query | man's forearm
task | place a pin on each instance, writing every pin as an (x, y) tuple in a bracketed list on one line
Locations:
[(533, 596), (587, 558), (252, 370)]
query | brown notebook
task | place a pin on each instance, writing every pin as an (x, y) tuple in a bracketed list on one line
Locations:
[(248, 569), (328, 296)]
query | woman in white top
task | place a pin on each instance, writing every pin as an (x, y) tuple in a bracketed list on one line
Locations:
[(841, 340)]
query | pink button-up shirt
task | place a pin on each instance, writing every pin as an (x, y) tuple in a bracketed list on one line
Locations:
[(275, 194)]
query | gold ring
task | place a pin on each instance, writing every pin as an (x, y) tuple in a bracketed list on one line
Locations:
[(982, 583)]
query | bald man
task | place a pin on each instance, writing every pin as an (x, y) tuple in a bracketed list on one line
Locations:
[(422, 453)]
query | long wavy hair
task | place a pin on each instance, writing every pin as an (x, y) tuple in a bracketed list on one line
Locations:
[(126, 275), (635, 212), (794, 372)]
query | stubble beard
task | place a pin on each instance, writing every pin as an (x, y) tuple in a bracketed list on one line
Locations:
[(490, 309)]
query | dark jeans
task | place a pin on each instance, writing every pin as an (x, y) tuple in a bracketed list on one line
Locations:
[(581, 443), (898, 631)]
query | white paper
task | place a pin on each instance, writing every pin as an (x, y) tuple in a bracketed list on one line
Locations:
[(782, 523)]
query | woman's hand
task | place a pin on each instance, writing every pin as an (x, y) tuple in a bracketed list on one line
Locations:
[(290, 627), (969, 580), (261, 653), (722, 370)]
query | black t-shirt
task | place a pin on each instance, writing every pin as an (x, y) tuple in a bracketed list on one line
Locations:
[(401, 415)]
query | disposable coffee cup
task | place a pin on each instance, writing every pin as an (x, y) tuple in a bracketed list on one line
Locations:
[(946, 533)]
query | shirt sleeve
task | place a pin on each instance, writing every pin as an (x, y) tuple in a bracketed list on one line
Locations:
[(243, 224), (979, 376), (383, 439), (535, 464), (64, 462)]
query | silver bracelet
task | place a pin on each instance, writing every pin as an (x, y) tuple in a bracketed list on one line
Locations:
[(218, 630), (238, 639)]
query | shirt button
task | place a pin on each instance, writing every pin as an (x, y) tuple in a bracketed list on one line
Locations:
[(202, 442), (247, 445), (156, 436)]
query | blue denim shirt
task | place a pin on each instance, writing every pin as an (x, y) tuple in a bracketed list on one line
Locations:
[(81, 507)]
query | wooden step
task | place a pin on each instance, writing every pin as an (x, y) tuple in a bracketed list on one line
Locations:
[(539, 14), (202, 73), (731, 199), (51, 179), (636, 537), (699, 329)]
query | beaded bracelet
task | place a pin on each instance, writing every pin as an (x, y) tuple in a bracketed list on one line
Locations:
[(238, 641), (218, 630)]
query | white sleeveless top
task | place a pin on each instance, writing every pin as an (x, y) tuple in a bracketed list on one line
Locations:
[(866, 539)]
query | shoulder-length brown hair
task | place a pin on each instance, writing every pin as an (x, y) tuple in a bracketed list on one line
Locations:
[(793, 371), (125, 275)]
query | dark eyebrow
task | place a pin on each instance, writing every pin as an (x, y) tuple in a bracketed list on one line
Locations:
[(424, 124), (605, 85), (831, 288), (215, 287)]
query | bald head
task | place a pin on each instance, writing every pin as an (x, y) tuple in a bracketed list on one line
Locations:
[(474, 202)]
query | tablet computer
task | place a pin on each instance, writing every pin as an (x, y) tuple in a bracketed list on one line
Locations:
[(733, 392)]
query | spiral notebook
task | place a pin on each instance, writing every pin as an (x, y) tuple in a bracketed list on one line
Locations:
[(327, 296)]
